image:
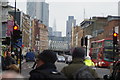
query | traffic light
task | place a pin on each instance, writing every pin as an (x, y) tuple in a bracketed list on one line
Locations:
[(82, 41), (115, 38), (86, 41), (6, 41), (15, 27), (17, 34)]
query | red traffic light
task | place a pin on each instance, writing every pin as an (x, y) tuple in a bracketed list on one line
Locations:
[(15, 27), (115, 34)]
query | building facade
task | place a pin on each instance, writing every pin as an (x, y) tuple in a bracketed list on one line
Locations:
[(57, 33), (58, 43), (94, 26), (35, 35), (39, 36), (43, 37), (77, 34), (112, 23), (26, 34)]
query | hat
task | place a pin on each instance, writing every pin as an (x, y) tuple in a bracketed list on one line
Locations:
[(88, 57), (48, 56), (78, 52)]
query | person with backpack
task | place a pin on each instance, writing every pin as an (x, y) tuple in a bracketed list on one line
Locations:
[(45, 67), (77, 70)]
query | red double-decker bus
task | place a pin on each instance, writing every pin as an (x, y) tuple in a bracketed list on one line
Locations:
[(101, 52)]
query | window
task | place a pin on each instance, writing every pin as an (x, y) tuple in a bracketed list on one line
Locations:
[(108, 43), (100, 44)]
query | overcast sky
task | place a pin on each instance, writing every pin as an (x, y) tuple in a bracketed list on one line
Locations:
[(59, 10)]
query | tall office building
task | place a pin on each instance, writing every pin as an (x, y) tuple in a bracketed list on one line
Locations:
[(50, 31), (39, 10), (70, 23), (119, 8)]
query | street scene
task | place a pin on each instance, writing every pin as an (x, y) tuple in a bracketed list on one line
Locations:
[(66, 40), (27, 67)]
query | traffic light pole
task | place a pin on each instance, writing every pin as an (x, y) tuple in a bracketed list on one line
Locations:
[(13, 27), (86, 50), (12, 42), (114, 42), (20, 52), (86, 43), (15, 13)]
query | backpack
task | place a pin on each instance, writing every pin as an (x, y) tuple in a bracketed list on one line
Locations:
[(83, 74), (53, 75)]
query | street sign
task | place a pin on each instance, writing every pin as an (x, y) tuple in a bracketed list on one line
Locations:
[(116, 29), (19, 42)]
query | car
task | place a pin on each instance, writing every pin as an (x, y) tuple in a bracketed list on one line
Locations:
[(68, 60), (30, 57), (60, 59)]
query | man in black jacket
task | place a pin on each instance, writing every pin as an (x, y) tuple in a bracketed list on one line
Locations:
[(45, 67)]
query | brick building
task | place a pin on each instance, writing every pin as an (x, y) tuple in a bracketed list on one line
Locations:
[(77, 33), (35, 35), (26, 26), (39, 36), (98, 27), (112, 23), (43, 38)]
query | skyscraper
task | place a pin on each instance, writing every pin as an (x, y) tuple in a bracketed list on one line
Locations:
[(70, 23), (119, 8), (39, 10)]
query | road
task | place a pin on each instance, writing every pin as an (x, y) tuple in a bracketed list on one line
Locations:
[(26, 68)]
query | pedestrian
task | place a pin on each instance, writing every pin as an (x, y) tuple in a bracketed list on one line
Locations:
[(45, 67), (77, 63), (88, 61), (7, 61)]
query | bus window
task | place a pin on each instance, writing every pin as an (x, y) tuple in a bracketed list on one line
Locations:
[(108, 54), (91, 45), (94, 56), (96, 44), (108, 43), (100, 44)]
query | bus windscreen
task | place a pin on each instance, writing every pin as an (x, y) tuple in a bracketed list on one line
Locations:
[(108, 54)]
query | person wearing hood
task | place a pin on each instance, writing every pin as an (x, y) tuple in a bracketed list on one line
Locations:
[(78, 55), (45, 66)]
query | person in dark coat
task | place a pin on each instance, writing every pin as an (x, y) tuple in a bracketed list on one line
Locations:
[(46, 63), (78, 55), (7, 61)]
